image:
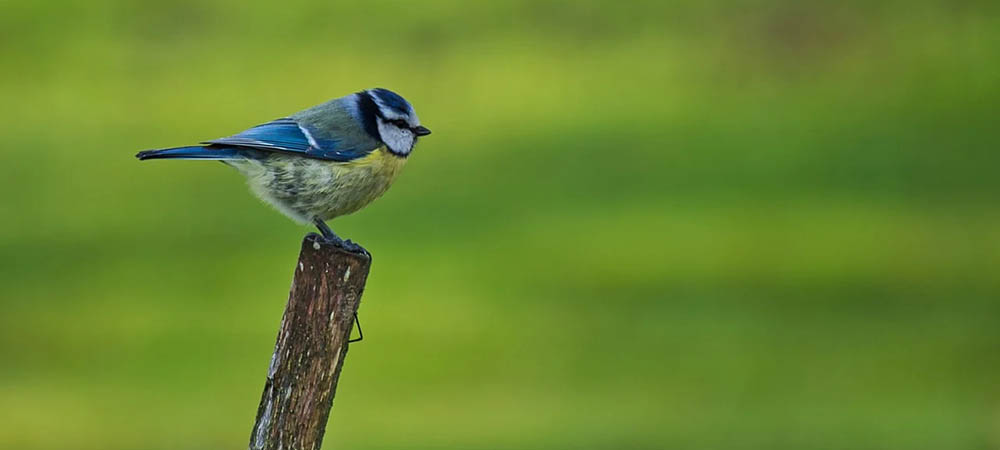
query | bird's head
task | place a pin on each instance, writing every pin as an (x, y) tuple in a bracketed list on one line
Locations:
[(390, 119)]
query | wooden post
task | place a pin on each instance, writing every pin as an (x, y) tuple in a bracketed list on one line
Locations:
[(311, 346)]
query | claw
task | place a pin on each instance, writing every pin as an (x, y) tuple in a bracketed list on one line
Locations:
[(331, 238), (353, 247)]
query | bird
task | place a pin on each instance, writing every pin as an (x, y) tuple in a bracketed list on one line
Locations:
[(320, 163)]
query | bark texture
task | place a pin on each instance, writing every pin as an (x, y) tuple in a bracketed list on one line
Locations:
[(311, 346)]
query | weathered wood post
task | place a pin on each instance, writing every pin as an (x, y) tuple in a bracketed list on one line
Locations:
[(312, 343)]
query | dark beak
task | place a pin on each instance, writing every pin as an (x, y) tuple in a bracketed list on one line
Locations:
[(421, 131)]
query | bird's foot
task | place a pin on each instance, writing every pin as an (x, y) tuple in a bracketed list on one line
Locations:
[(345, 244), (331, 238), (353, 247)]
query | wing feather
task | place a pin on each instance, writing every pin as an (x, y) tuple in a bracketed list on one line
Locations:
[(289, 136)]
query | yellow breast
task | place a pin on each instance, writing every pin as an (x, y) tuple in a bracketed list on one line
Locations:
[(304, 188), (357, 183)]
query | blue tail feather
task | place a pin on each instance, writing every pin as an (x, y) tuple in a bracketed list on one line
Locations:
[(195, 152)]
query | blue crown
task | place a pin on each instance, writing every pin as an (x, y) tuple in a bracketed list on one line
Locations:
[(392, 100)]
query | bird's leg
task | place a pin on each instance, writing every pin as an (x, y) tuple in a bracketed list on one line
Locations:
[(332, 238), (327, 233)]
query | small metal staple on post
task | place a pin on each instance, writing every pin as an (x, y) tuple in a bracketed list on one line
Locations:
[(311, 346)]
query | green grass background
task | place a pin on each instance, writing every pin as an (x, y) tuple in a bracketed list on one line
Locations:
[(638, 224)]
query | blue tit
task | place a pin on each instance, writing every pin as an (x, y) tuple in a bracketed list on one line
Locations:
[(323, 162)]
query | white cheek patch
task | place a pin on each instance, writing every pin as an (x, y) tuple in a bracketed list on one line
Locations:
[(398, 140)]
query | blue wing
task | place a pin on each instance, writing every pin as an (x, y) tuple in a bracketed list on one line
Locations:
[(289, 136)]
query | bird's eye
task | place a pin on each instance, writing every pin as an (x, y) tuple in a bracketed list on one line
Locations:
[(400, 123)]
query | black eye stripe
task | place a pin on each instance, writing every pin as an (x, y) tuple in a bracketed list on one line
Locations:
[(400, 123)]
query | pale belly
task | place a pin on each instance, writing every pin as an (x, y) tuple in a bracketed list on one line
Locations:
[(306, 189)]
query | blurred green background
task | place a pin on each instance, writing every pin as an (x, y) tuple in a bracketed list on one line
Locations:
[(638, 224)]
